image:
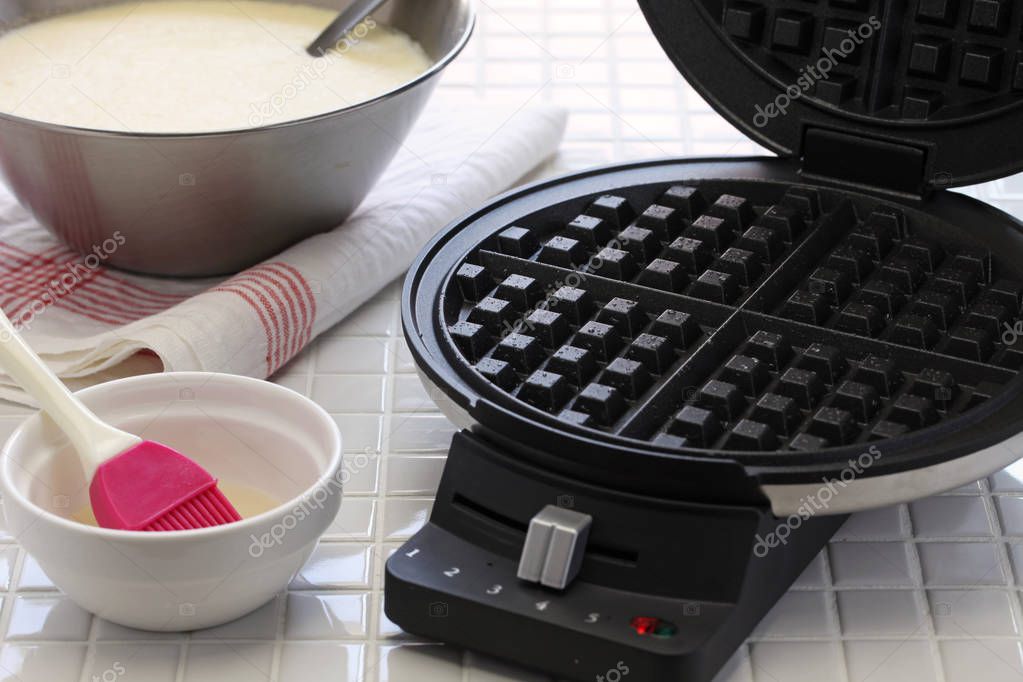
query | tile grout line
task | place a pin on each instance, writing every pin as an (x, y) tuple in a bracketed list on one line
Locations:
[(481, 52), (278, 644), (7, 616), (612, 80), (183, 658), (833, 609), (376, 606), (282, 599), (920, 594), (355, 639), (179, 674), (90, 648), (997, 527)]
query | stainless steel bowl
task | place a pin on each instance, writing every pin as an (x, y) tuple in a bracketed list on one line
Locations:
[(215, 203)]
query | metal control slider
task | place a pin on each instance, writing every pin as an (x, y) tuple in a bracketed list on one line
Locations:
[(555, 545)]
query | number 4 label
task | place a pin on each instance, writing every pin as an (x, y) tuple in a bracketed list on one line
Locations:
[(542, 605)]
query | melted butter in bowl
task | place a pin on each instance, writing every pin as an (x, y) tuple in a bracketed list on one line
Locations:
[(247, 500), (190, 66)]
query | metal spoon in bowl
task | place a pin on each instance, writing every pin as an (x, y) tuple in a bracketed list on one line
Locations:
[(351, 17)]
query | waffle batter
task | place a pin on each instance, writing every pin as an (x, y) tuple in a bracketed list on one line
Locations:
[(182, 66)]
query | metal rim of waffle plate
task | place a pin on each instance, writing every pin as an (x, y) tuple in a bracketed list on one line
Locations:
[(770, 414), (923, 74)]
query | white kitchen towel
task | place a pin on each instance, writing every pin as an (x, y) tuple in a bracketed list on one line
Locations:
[(93, 324)]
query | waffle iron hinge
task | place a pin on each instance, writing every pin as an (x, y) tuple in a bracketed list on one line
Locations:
[(880, 165)]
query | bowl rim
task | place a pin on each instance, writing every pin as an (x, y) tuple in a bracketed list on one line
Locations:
[(438, 66), (328, 474)]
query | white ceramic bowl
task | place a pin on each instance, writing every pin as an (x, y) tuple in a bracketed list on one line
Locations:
[(246, 432)]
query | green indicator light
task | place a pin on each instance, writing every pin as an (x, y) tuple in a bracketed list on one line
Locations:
[(665, 629)]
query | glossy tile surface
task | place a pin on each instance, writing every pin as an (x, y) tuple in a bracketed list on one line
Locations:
[(925, 592)]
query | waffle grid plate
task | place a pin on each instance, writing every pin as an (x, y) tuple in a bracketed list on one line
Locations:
[(737, 316)]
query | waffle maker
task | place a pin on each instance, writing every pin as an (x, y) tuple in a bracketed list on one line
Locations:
[(675, 378)]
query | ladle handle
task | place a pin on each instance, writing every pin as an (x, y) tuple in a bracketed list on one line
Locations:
[(351, 17)]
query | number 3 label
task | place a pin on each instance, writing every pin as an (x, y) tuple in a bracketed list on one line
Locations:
[(496, 589)]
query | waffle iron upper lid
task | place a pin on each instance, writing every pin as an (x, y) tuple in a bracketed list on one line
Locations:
[(906, 95)]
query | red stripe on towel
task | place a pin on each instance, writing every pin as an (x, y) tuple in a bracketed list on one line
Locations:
[(262, 319), (91, 292), (292, 329), (309, 297), (273, 304)]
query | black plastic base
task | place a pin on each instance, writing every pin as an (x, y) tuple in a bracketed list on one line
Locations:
[(711, 572)]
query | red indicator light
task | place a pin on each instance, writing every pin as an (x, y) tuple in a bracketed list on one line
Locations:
[(645, 625)]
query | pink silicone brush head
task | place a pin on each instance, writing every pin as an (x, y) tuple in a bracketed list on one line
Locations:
[(151, 487), (134, 484)]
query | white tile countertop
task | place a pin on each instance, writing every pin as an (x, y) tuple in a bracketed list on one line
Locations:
[(914, 593)]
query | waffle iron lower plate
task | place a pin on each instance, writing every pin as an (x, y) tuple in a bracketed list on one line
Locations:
[(690, 316), (687, 352)]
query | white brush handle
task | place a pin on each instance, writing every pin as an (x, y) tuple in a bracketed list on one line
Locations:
[(94, 440)]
